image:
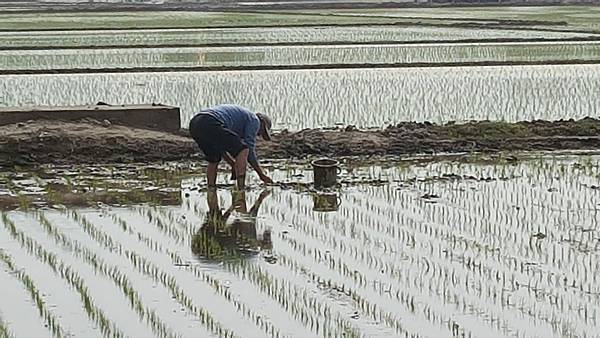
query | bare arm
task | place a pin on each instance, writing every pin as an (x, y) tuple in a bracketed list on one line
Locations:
[(260, 172)]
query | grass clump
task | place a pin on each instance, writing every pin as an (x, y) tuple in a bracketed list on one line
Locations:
[(488, 129)]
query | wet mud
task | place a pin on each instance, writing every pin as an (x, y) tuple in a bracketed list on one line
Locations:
[(89, 141)]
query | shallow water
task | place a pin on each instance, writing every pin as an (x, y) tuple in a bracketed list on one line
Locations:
[(468, 246), (297, 55), (317, 98)]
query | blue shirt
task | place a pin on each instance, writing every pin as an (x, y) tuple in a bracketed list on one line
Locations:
[(241, 121)]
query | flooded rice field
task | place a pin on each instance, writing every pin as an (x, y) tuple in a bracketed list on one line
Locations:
[(297, 55), (461, 246), (447, 246), (562, 17), (263, 35), (317, 98)]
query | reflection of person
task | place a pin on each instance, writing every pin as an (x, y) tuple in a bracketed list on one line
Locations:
[(229, 132), (219, 239)]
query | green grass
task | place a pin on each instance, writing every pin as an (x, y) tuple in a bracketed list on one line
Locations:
[(123, 20)]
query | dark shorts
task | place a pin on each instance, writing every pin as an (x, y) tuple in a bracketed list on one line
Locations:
[(214, 139)]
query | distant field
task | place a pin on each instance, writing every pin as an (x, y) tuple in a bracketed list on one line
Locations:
[(271, 35), (297, 55), (124, 20), (575, 17), (586, 18)]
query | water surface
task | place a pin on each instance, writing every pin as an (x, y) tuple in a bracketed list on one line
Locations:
[(474, 247)]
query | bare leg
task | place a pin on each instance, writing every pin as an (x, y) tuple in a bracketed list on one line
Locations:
[(231, 162), (241, 162), (211, 174)]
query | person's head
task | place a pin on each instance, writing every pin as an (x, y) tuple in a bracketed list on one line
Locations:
[(265, 126)]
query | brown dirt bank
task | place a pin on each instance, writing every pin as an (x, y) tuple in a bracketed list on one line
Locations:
[(88, 141)]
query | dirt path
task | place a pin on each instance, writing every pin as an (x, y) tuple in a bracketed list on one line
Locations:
[(296, 67), (56, 142)]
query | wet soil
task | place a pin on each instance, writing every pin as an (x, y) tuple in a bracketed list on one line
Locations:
[(88, 141)]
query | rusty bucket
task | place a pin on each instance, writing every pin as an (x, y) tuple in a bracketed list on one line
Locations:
[(325, 172)]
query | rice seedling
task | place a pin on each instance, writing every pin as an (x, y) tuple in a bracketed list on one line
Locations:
[(107, 327), (4, 331), (151, 270), (297, 55), (363, 97), (50, 320), (245, 309), (296, 35), (476, 246), (119, 279)]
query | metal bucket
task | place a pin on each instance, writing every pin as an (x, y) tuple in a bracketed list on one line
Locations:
[(326, 202), (325, 172)]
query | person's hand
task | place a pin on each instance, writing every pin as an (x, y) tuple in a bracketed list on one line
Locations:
[(266, 179)]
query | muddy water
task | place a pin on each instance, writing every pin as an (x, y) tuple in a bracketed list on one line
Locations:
[(471, 246), (317, 98)]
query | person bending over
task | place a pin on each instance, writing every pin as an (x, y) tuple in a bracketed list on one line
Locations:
[(229, 131)]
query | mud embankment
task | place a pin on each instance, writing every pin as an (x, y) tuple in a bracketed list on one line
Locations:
[(89, 141)]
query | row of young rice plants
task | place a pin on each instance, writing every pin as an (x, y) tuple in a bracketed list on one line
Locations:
[(62, 270), (443, 248), (302, 306), (575, 17), (296, 55), (4, 330), (488, 271), (299, 35), (362, 97)]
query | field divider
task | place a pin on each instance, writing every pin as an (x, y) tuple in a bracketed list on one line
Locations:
[(322, 66), (489, 41)]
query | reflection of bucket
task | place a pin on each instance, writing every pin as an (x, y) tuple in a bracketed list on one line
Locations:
[(326, 202), (325, 172)]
